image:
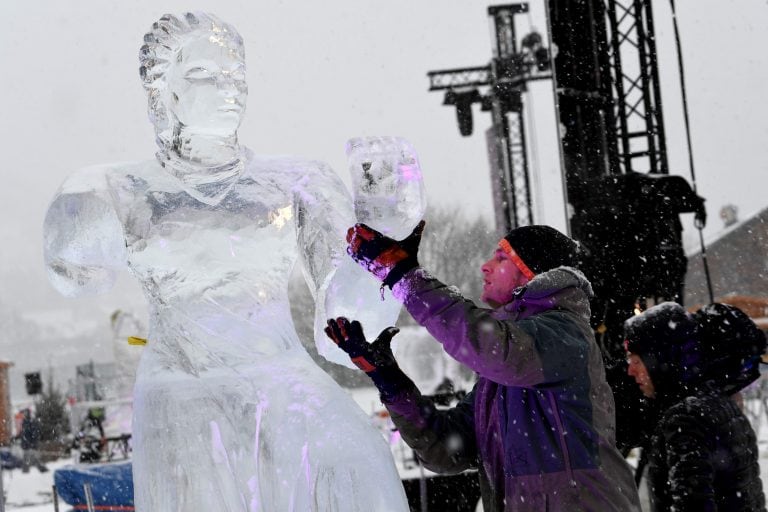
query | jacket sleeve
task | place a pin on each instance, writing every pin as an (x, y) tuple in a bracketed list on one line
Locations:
[(505, 352), (444, 440), (691, 475)]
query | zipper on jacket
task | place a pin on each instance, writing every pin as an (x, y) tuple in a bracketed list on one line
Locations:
[(561, 435)]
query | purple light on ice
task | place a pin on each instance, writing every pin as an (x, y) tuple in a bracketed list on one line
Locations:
[(233, 238), (409, 172), (305, 463)]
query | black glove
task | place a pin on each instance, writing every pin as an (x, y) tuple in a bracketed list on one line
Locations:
[(386, 258), (700, 217), (375, 359)]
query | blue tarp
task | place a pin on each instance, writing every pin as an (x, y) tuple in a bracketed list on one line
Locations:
[(9, 460), (111, 485)]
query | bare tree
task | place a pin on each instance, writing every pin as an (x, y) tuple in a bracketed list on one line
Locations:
[(454, 247), (51, 410)]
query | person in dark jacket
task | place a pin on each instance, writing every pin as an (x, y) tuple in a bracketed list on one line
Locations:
[(31, 431), (703, 451), (539, 423)]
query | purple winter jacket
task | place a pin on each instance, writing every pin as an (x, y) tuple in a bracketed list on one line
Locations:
[(539, 424)]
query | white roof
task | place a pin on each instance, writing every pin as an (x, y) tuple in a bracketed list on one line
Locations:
[(716, 237)]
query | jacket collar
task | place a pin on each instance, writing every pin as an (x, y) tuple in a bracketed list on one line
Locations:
[(563, 288)]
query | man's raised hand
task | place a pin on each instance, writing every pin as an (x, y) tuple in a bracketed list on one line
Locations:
[(387, 259)]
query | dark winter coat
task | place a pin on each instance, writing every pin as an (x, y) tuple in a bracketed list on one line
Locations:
[(704, 457), (703, 452), (539, 423)]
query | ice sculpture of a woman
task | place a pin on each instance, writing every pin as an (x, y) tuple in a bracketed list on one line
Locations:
[(230, 413)]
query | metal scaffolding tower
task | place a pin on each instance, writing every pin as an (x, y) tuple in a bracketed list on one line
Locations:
[(635, 79), (505, 77)]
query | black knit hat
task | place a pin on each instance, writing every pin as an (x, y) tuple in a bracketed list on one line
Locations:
[(542, 248), (665, 338)]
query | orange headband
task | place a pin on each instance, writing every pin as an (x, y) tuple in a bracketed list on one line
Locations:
[(519, 263)]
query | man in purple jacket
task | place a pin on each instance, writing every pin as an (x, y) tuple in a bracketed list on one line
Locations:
[(539, 423)]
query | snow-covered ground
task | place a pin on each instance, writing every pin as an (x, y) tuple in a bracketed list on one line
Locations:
[(33, 491)]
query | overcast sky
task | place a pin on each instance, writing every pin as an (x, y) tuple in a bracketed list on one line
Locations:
[(319, 73)]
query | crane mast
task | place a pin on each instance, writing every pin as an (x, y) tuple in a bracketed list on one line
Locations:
[(625, 205), (503, 81)]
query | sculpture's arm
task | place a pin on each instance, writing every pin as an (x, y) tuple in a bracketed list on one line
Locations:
[(323, 213), (83, 240)]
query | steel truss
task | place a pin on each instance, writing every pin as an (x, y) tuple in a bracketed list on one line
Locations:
[(635, 80)]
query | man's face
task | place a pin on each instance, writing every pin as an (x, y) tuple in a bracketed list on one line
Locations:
[(640, 373), (501, 278)]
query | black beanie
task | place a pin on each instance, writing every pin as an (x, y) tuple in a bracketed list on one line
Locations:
[(664, 324), (542, 248)]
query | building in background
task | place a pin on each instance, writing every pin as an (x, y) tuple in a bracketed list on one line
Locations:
[(738, 267), (6, 423)]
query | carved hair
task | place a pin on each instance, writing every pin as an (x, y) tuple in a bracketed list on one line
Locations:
[(161, 46)]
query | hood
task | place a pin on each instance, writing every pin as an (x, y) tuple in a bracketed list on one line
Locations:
[(665, 338), (560, 288)]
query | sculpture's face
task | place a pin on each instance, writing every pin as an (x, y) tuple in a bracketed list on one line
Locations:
[(206, 87)]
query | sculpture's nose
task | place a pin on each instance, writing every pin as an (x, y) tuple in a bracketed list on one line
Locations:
[(227, 85), (229, 82), (232, 90)]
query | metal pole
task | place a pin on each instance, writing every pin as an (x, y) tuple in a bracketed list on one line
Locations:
[(55, 500), (2, 490), (509, 174), (690, 146), (422, 487), (501, 129), (88, 497), (704, 262), (556, 96), (522, 168)]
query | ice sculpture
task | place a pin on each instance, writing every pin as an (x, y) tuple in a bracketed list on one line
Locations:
[(124, 326), (230, 413)]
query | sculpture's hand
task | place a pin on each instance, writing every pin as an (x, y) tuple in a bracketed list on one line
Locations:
[(700, 217), (387, 259)]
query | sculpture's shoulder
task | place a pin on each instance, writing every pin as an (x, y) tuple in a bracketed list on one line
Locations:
[(112, 178), (288, 168), (291, 175)]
